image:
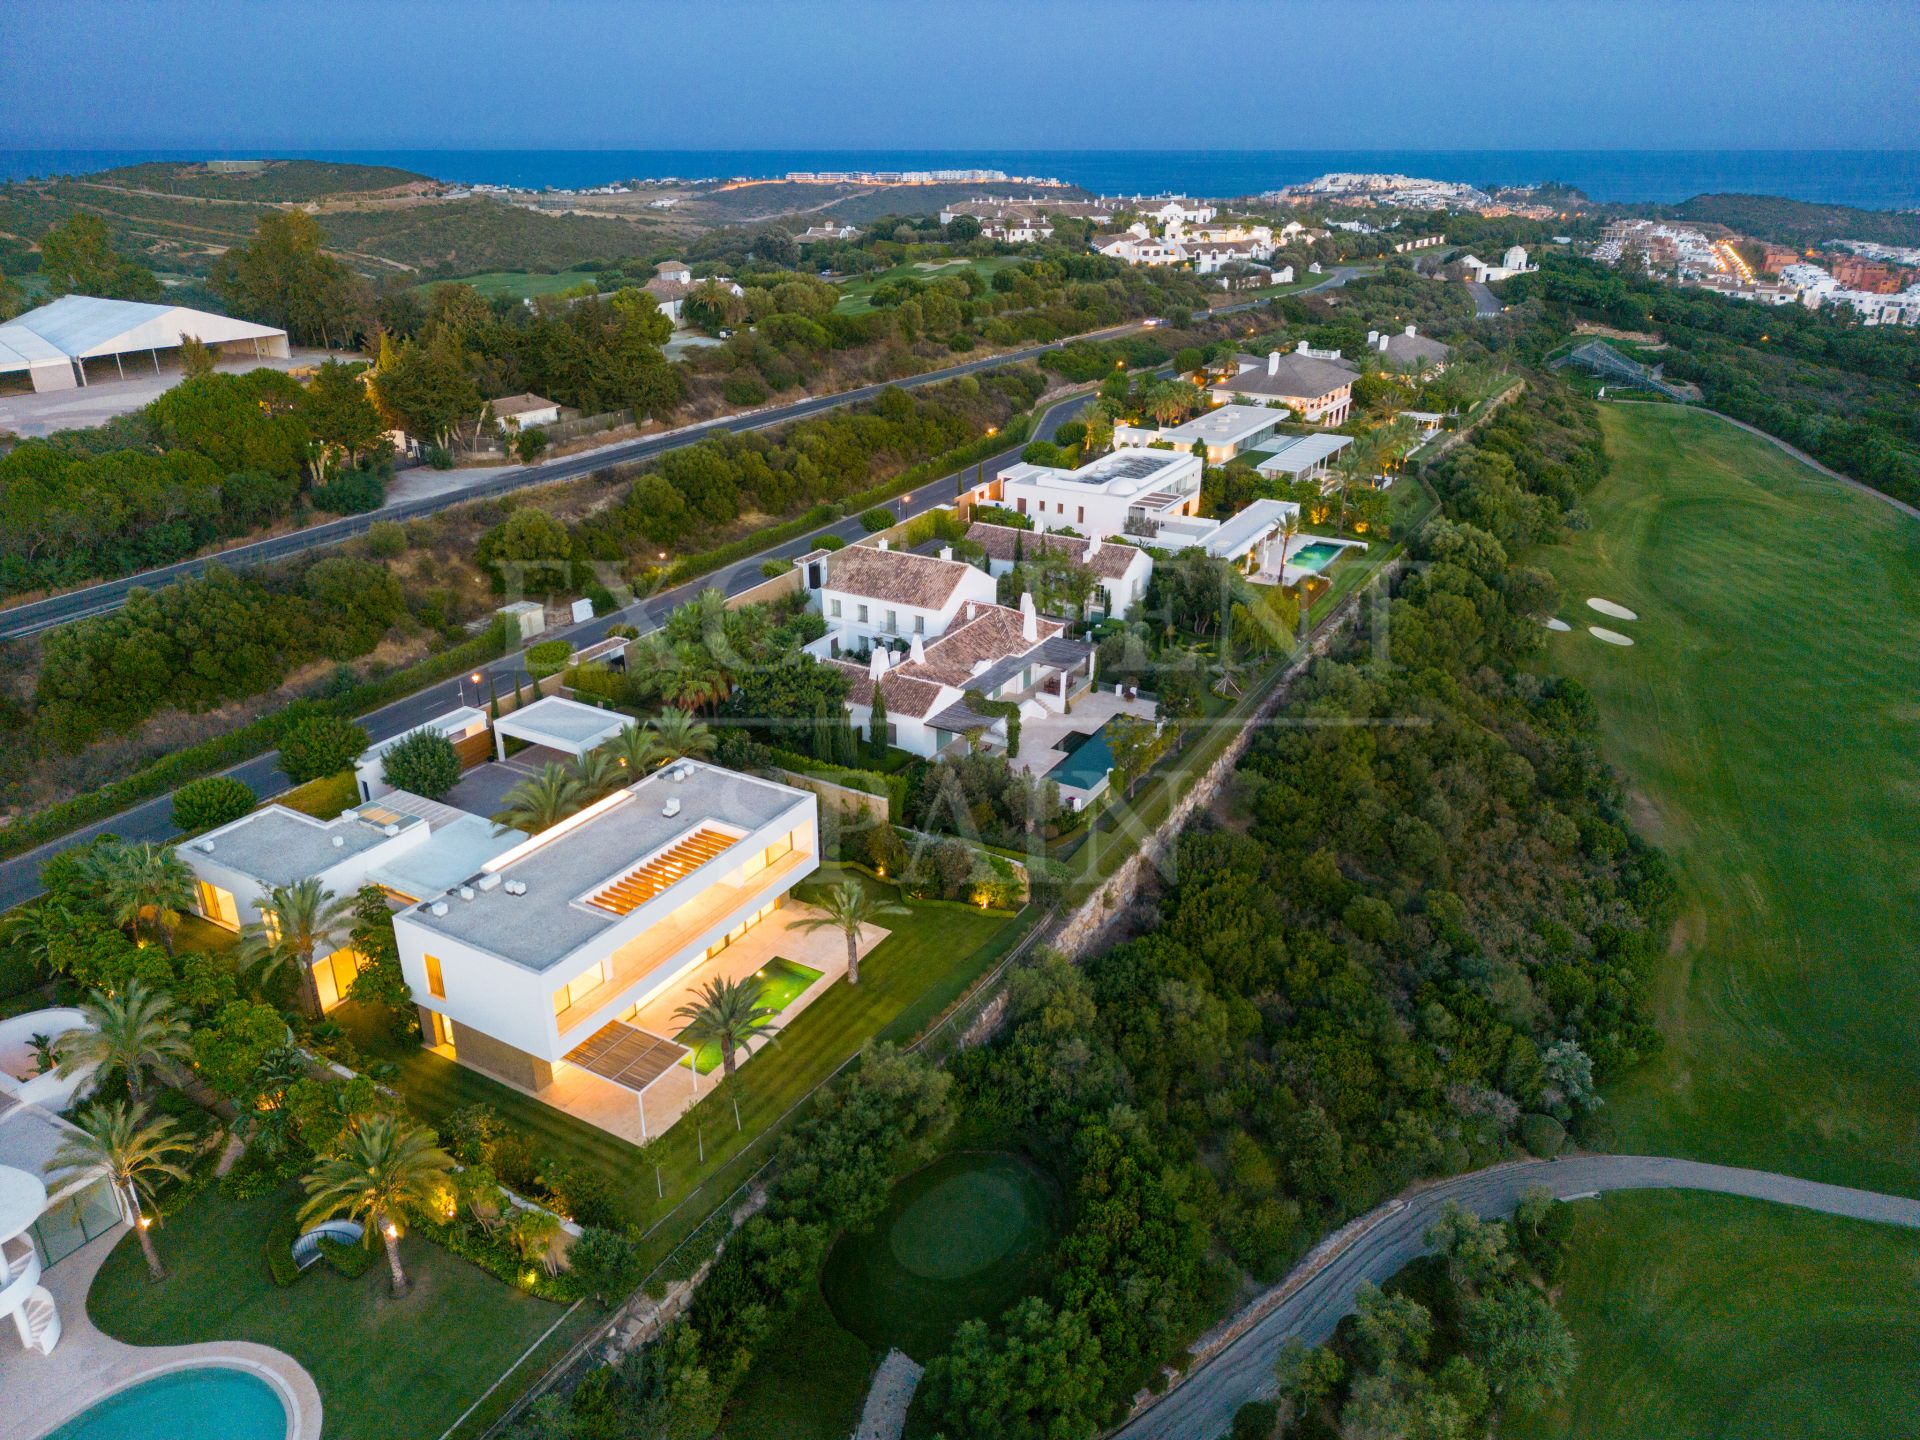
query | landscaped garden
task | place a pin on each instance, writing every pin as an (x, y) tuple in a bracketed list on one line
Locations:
[(385, 1366)]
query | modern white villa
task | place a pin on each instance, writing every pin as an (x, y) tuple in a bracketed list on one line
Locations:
[(555, 961), (1226, 432), (1130, 492)]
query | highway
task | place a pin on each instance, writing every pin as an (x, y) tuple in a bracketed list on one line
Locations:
[(1202, 1406), (152, 820)]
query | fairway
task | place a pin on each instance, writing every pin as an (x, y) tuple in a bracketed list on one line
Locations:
[(1702, 1316), (857, 292), (1766, 720), (960, 1240)]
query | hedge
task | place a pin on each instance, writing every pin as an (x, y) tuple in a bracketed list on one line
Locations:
[(1542, 1135), (210, 801), (352, 1261), (281, 1265), (224, 751), (497, 1258)]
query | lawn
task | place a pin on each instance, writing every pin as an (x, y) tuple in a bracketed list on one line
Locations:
[(520, 285), (1703, 1316), (857, 293), (385, 1367), (1764, 720), (928, 961)]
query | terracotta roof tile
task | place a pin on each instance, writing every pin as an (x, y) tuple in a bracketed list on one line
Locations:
[(993, 634), (1110, 563), (896, 576), (906, 696)]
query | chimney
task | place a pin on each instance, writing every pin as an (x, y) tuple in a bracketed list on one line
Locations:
[(917, 651), (877, 663), (883, 543), (969, 609), (1383, 343), (1273, 359), (946, 552), (1301, 348), (1409, 332), (1029, 618), (1373, 337), (1093, 545)]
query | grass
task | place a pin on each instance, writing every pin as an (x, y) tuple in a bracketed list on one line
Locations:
[(960, 1240), (323, 798), (810, 1388), (1702, 1316), (521, 285), (383, 1366), (933, 954), (1764, 720), (782, 981), (857, 293)]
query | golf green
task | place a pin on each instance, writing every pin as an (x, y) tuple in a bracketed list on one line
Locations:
[(960, 1240)]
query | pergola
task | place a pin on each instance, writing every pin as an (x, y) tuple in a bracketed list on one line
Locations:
[(558, 724), (633, 1059)]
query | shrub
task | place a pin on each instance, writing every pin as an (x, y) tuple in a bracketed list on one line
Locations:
[(548, 657), (830, 542), (213, 801), (877, 519), (772, 569), (606, 1264), (531, 444), (386, 539), (353, 492), (279, 1251), (743, 390), (320, 745), (438, 456), (352, 1261), (1542, 1135), (582, 1195), (425, 763), (1256, 1420)]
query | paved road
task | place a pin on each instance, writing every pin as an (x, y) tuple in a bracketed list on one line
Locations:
[(152, 820), (1485, 302), (19, 621), (1203, 1407)]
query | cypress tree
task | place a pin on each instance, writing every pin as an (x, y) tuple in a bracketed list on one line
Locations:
[(877, 732)]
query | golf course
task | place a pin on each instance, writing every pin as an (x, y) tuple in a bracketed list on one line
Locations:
[(1765, 719)]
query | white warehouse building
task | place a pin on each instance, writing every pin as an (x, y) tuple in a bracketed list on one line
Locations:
[(53, 344)]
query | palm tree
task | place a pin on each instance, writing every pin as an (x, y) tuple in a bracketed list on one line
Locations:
[(294, 923), (384, 1170), (696, 678), (682, 735), (142, 880), (1289, 532), (847, 907), (118, 1145), (541, 801), (129, 1032), (727, 1013), (601, 773), (637, 749)]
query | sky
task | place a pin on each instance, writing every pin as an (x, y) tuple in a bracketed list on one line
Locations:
[(1010, 74)]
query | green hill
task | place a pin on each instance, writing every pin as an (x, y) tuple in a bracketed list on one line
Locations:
[(277, 182)]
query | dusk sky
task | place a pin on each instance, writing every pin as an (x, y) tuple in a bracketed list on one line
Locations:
[(1035, 74)]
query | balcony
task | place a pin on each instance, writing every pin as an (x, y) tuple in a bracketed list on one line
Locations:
[(692, 923)]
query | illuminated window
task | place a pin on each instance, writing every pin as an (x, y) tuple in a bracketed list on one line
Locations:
[(436, 982), (782, 846), (217, 905)]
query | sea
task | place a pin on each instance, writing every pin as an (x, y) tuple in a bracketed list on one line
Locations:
[(1869, 179)]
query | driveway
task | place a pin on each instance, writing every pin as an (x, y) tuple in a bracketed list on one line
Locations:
[(1384, 1241)]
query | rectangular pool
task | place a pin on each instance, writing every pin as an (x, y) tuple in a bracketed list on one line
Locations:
[(782, 982), (1086, 764), (1315, 558)]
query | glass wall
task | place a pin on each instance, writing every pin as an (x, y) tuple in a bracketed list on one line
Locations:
[(72, 1222)]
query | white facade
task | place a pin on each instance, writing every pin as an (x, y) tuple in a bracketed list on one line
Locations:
[(1127, 488), (1226, 431), (52, 344), (584, 923), (369, 770), (867, 600)]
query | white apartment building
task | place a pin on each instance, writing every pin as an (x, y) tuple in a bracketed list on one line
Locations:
[(543, 959), (871, 594), (1126, 489)]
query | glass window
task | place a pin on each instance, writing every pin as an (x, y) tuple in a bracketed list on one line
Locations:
[(833, 608), (436, 981), (217, 905)]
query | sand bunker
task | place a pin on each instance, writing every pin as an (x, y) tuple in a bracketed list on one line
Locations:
[(1607, 607), (1612, 637), (1554, 622)]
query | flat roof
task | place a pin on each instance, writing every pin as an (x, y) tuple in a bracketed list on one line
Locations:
[(453, 853), (1124, 472), (1237, 536), (278, 846), (1226, 424), (562, 724), (451, 723), (1295, 453), (553, 919)]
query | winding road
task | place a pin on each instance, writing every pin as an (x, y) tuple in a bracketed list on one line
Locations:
[(1386, 1239)]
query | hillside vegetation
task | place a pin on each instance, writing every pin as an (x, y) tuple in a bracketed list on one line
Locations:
[(278, 182), (1798, 222)]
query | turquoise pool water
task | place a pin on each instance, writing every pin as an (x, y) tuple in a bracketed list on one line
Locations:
[(1315, 557), (214, 1403), (782, 981), (1087, 764)]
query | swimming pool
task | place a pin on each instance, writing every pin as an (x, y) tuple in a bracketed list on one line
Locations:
[(782, 981), (213, 1403), (1315, 557), (1086, 764)]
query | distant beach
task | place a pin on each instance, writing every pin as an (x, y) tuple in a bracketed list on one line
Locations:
[(1870, 179)]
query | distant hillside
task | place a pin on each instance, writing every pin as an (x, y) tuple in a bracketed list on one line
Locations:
[(278, 182), (1797, 223), (462, 237)]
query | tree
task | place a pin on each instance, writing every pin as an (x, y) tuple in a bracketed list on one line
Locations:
[(119, 1145), (295, 922), (728, 1014), (607, 1263), (638, 749), (713, 306), (846, 908), (528, 553), (77, 258), (355, 603), (319, 745), (283, 277), (341, 416), (530, 444), (379, 981), (1135, 744), (681, 735), (196, 357), (229, 1051), (384, 1172), (424, 763), (877, 740), (144, 881), (601, 774), (131, 1033), (1521, 1342), (541, 801), (211, 801)]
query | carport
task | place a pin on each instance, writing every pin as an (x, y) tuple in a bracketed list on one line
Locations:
[(558, 724)]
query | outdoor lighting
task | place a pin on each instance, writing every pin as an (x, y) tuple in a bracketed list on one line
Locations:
[(143, 1222), (993, 429), (475, 677), (880, 870), (393, 1231)]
